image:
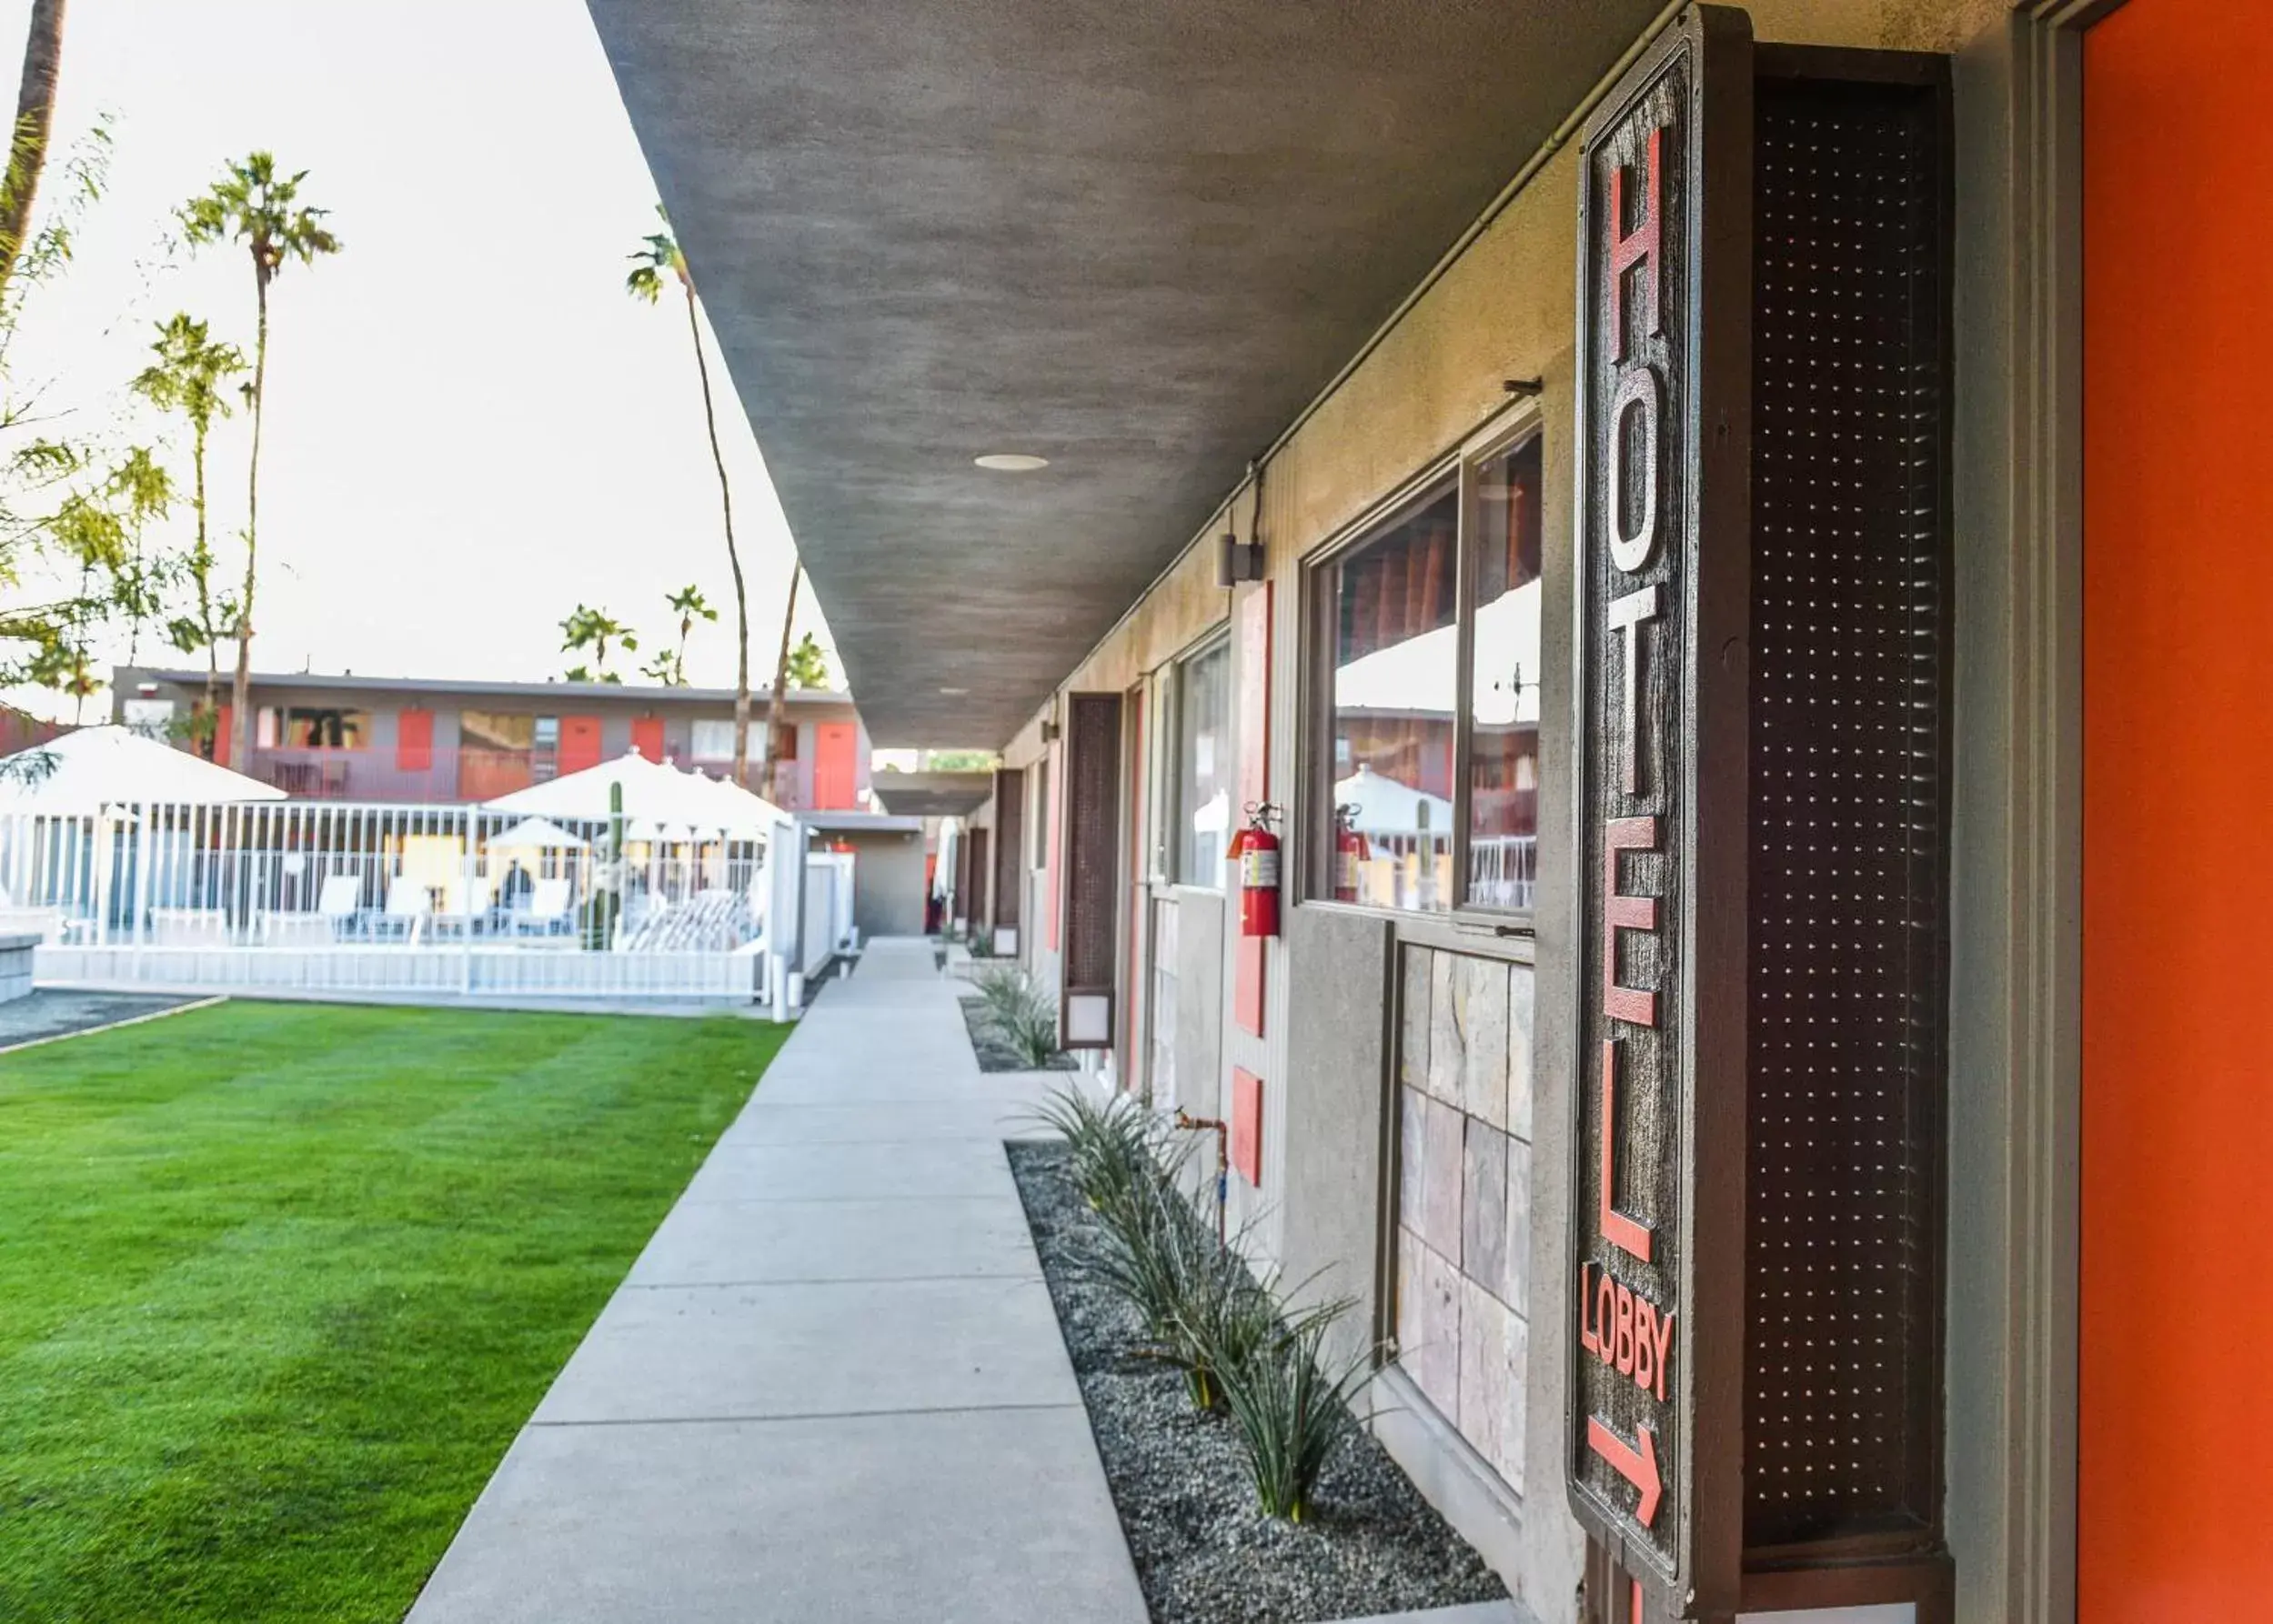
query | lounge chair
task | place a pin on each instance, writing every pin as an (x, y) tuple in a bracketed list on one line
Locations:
[(190, 928), (45, 923), (409, 905), (340, 903), (546, 913)]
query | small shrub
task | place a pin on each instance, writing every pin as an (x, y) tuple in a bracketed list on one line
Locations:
[(1020, 1016), (1031, 1034), (1291, 1410), (1113, 1142), (1000, 989), (1156, 1257), (1222, 1322)]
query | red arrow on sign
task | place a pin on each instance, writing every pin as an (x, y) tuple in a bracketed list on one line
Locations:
[(1637, 1466)]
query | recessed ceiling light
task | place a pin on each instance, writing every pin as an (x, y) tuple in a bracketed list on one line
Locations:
[(954, 693), (1011, 462)]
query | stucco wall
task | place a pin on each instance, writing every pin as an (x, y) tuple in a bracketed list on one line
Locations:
[(1503, 309), (887, 882)]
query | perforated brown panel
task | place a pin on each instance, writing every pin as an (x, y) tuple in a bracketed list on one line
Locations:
[(1092, 824), (1009, 823), (975, 907), (1849, 811)]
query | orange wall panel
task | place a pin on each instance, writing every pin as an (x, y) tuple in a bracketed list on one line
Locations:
[(647, 736), (414, 741), (2177, 1420), (579, 744), (836, 772)]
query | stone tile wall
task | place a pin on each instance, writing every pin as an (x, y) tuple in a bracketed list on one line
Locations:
[(1463, 1195)]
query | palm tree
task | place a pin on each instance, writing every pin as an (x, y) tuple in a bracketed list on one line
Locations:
[(658, 255), (34, 116), (186, 378), (669, 665), (254, 205), (595, 629)]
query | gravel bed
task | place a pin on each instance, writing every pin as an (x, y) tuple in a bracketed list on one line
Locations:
[(58, 1012), (994, 1057), (1204, 1553)]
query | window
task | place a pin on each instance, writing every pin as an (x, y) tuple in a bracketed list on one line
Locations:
[(1040, 823), (1504, 683), (305, 727), (1204, 766), (1430, 637), (1395, 607), (495, 730), (712, 738)]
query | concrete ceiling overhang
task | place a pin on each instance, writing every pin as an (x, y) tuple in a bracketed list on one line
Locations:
[(1133, 239), (932, 794)]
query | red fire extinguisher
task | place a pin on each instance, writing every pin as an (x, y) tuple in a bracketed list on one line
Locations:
[(1256, 850), (1351, 851)]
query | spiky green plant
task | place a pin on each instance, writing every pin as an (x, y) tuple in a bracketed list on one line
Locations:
[(1030, 1032), (1116, 1147), (1289, 1401), (1020, 1016), (1225, 1318), (1001, 987)]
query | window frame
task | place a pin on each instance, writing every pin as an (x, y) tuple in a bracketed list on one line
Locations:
[(1506, 431), (1215, 640)]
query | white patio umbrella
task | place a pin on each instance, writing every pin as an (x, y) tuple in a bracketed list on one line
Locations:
[(536, 834), (81, 773), (740, 811), (1385, 806), (651, 792)]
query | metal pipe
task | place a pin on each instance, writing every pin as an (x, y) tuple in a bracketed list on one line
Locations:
[(1191, 1124)]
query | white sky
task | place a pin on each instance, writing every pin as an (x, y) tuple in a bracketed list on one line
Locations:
[(471, 427)]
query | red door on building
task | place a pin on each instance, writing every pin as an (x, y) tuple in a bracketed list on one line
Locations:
[(579, 744), (2177, 1421), (647, 736), (836, 765)]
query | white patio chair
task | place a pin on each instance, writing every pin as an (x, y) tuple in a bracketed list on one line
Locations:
[(464, 900), (340, 903), (546, 913), (190, 928), (297, 930), (409, 905), (45, 923)]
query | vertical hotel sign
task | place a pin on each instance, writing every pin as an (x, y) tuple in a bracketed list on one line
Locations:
[(1654, 1438)]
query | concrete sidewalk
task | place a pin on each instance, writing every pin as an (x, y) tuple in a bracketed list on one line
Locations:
[(832, 1388)]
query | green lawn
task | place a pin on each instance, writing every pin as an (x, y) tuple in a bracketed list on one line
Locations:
[(278, 1283)]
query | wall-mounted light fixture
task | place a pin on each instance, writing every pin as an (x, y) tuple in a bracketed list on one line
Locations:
[(1237, 560)]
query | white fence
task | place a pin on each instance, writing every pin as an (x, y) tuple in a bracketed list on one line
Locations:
[(504, 972), (416, 900), (828, 908)]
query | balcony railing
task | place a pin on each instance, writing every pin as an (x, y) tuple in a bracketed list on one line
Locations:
[(470, 773)]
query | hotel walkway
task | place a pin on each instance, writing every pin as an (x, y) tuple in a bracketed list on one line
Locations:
[(832, 1386)]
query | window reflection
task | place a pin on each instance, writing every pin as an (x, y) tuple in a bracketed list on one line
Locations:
[(1203, 768), (307, 728), (1395, 670), (1504, 703)]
